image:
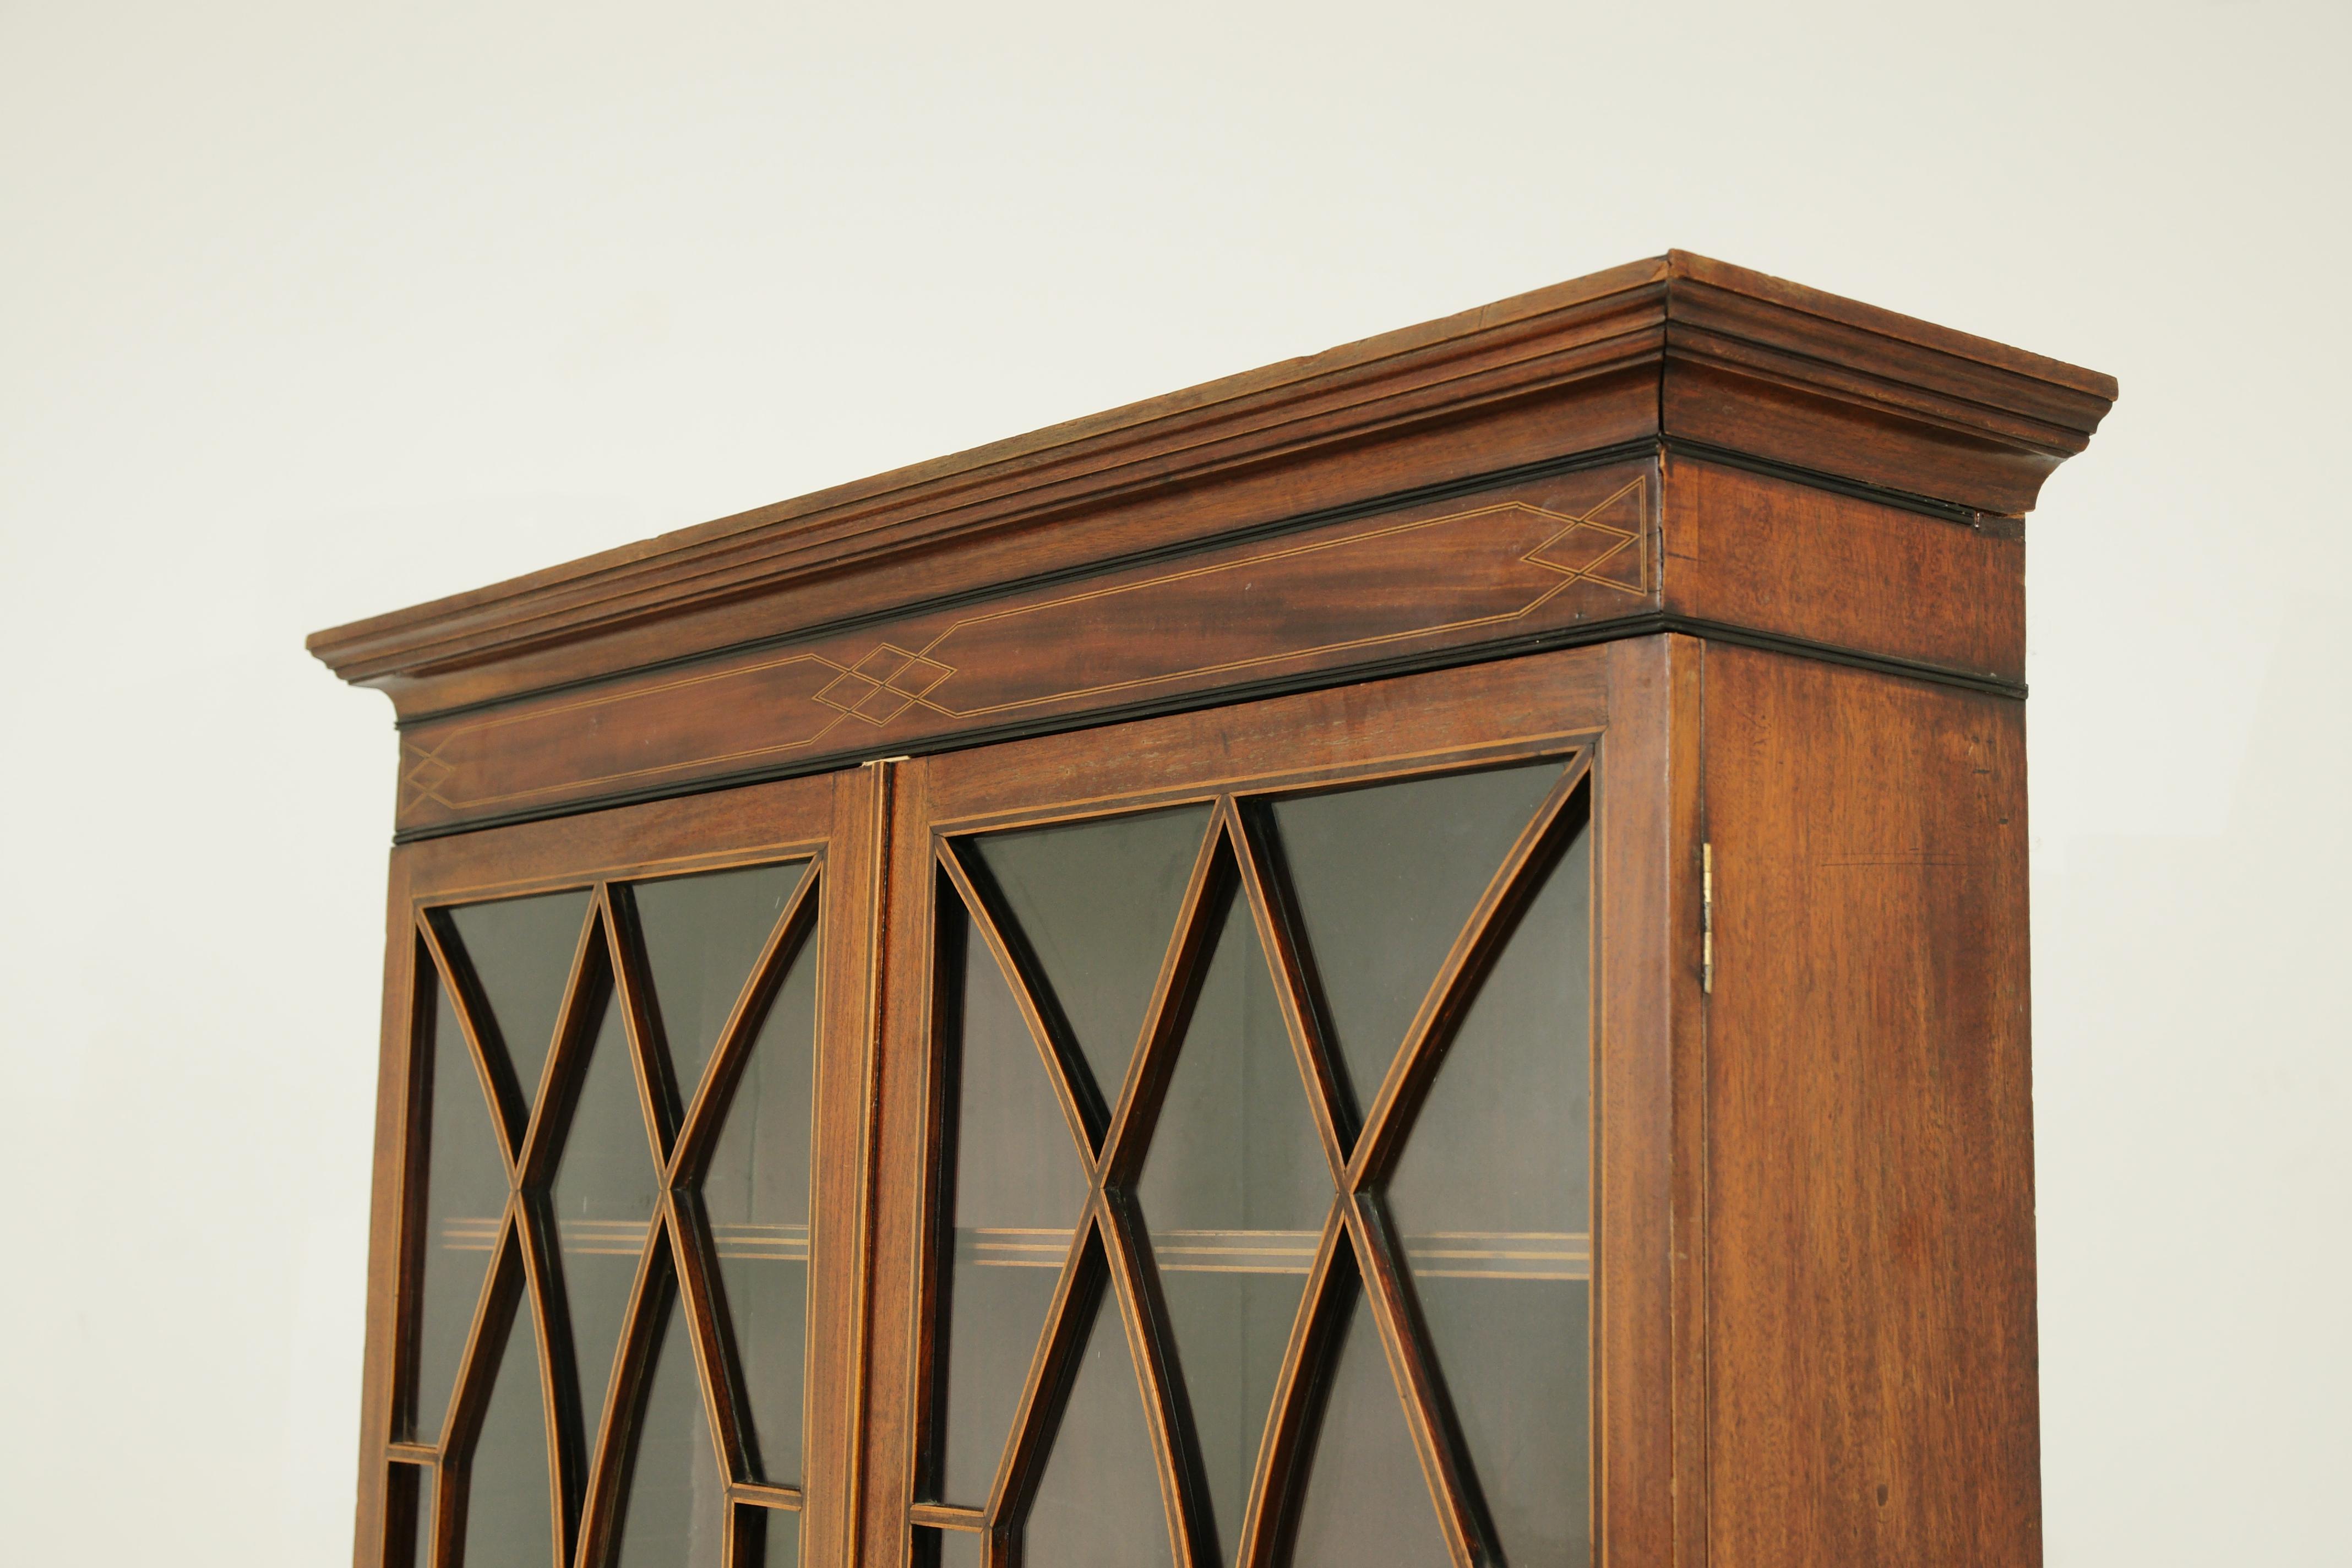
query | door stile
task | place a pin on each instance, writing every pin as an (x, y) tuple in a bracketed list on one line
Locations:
[(910, 1151), (1647, 1003), (852, 924), (396, 1224), (1687, 786)]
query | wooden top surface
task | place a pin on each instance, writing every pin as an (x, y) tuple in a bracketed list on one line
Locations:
[(2014, 414)]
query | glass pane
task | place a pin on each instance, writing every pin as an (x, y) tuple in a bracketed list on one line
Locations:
[(408, 1517), (1234, 1193), (701, 936), (520, 951), (1383, 880), (464, 1197), (768, 1537), (757, 1195), (674, 1506), (1491, 1197), (1366, 1501), (1017, 1191), (509, 1521), (947, 1548), (605, 1189), (1097, 1502), (1096, 903)]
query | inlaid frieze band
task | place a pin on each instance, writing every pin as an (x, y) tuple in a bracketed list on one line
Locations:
[(1359, 593)]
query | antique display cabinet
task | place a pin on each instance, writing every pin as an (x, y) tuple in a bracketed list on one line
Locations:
[(1416, 957)]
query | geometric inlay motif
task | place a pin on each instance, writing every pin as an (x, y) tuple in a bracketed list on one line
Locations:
[(1504, 567), (427, 774), (884, 684), (1600, 553)]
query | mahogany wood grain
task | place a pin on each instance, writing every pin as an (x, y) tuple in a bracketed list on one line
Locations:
[(1776, 556), (836, 821), (1555, 704), (1749, 553), (396, 1215), (1646, 968), (1670, 953), (841, 1236), (1501, 567), (1495, 712), (909, 1123), (1870, 1250), (1621, 549), (1677, 346)]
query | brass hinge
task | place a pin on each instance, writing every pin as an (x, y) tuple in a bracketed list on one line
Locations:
[(1706, 918)]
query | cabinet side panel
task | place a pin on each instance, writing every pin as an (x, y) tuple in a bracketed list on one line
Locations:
[(1871, 1266)]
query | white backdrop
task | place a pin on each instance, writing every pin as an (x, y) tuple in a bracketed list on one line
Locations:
[(309, 311)]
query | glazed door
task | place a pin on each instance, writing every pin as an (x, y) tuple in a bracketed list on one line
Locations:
[(616, 1312), (1239, 1184)]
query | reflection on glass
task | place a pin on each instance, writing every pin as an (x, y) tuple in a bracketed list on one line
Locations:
[(520, 951), (1491, 1199), (1365, 1501), (1017, 1191), (1097, 1502), (408, 1517), (509, 1520), (756, 1193), (673, 1514), (604, 1200), (768, 1537), (701, 936), (1383, 880), (465, 1198), (1096, 903), (1234, 1193)]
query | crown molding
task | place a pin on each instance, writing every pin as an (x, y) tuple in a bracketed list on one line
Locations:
[(1678, 347)]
